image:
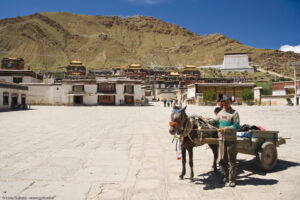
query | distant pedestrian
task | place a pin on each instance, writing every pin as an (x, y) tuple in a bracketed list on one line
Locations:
[(221, 103), (165, 102), (168, 102)]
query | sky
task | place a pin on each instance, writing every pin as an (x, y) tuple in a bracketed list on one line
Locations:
[(268, 24)]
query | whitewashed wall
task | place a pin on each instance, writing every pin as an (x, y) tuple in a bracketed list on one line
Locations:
[(191, 92), (236, 61), (6, 79), (120, 95), (26, 79), (278, 92), (138, 92), (90, 98), (167, 95), (43, 94), (58, 94)]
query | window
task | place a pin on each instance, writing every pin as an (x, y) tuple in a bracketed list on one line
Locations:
[(5, 98), (78, 88), (14, 99), (128, 89), (147, 93), (23, 99), (17, 79), (106, 88)]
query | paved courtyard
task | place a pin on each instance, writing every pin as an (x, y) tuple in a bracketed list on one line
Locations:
[(126, 153)]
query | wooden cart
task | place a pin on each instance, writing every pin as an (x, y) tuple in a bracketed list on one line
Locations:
[(261, 144)]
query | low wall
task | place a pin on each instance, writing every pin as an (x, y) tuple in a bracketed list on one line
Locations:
[(267, 100)]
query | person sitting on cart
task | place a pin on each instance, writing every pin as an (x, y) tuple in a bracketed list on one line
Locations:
[(227, 121), (217, 110)]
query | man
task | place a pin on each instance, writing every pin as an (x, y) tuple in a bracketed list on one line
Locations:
[(217, 110), (228, 121)]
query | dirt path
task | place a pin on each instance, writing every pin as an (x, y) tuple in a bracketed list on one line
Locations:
[(274, 73)]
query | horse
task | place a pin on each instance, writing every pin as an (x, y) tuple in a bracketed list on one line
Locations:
[(182, 125)]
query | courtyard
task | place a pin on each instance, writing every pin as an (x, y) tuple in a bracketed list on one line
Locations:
[(112, 152)]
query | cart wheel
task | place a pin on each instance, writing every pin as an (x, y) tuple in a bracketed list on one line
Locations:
[(267, 156)]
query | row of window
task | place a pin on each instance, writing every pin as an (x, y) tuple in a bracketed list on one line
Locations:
[(171, 86), (104, 88), (17, 79), (14, 98)]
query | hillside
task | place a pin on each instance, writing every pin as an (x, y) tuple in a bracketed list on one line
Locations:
[(48, 41)]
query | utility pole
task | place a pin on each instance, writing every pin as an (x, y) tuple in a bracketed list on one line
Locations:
[(295, 64)]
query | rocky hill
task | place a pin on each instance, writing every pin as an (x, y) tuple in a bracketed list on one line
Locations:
[(48, 41)]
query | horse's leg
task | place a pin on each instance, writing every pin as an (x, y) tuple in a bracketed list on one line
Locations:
[(183, 162), (190, 150), (214, 149)]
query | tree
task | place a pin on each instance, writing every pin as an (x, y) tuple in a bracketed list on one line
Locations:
[(209, 96), (247, 94)]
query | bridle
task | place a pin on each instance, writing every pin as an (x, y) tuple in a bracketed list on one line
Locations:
[(180, 128)]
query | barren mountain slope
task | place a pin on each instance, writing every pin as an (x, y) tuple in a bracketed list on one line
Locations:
[(51, 40)]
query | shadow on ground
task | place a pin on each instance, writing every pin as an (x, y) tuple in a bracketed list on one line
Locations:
[(15, 110), (246, 170)]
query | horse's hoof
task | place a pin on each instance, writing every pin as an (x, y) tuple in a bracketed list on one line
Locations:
[(181, 177), (191, 179), (214, 170)]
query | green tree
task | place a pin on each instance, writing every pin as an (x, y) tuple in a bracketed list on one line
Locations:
[(267, 87), (209, 96), (247, 94)]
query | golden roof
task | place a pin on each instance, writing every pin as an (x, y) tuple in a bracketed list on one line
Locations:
[(174, 74), (135, 66), (75, 61), (190, 66)]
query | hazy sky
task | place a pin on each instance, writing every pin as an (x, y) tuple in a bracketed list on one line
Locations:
[(257, 23)]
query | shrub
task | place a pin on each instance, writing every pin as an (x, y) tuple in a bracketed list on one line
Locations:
[(209, 96), (267, 87), (247, 94)]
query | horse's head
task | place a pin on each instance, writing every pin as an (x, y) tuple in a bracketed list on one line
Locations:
[(178, 117)]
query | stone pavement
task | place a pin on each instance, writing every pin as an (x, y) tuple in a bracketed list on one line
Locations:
[(126, 153)]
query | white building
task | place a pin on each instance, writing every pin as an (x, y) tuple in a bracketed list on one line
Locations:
[(87, 92), (166, 89), (236, 62), (12, 96), (120, 91), (20, 76)]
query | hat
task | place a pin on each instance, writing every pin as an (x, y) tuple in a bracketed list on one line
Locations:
[(226, 98)]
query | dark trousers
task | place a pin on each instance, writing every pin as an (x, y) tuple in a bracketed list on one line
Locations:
[(227, 162)]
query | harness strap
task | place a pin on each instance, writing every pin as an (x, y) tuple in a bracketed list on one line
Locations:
[(188, 129)]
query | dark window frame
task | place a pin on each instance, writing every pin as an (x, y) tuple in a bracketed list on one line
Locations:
[(107, 88), (78, 86), (129, 89), (5, 98), (17, 79)]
